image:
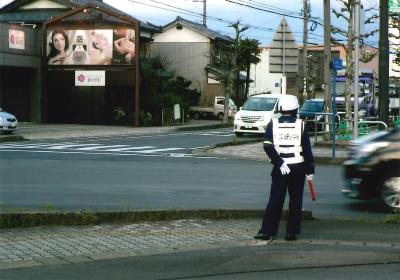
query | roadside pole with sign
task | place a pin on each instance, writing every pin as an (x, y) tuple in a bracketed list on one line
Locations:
[(337, 64)]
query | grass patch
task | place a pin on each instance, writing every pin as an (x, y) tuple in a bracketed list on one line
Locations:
[(392, 219)]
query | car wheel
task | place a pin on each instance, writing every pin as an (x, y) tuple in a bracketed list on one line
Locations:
[(196, 115), (239, 134), (390, 192), (220, 116)]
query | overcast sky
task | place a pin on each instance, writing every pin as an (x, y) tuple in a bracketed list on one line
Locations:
[(221, 12)]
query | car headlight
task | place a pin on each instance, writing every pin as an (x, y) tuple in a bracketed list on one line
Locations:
[(320, 118), (1, 119), (261, 119), (369, 148), (237, 117)]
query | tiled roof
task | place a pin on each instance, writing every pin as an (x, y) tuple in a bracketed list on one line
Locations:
[(201, 28), (11, 12)]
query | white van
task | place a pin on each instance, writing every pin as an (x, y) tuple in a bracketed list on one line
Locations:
[(256, 113)]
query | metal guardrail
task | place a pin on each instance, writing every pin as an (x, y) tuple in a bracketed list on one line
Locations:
[(325, 124)]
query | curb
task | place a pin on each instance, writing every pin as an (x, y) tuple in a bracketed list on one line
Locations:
[(328, 160), (33, 219), (11, 138), (317, 159), (204, 127)]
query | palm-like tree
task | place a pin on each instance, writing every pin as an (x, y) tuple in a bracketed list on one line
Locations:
[(249, 53)]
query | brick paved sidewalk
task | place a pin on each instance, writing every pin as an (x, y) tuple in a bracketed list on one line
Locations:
[(46, 246)]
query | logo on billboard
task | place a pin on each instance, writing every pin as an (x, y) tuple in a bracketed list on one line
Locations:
[(90, 78), (81, 78)]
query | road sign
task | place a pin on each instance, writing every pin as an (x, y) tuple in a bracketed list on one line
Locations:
[(394, 6), (337, 64)]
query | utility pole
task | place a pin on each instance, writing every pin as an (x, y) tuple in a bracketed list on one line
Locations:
[(383, 105), (327, 56), (204, 11), (306, 6), (356, 64), (283, 81)]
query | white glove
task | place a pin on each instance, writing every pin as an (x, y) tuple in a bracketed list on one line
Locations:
[(310, 177), (285, 169)]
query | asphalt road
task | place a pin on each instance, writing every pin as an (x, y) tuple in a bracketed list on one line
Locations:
[(245, 262), (150, 172)]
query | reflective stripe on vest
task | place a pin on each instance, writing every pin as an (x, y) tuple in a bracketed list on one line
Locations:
[(287, 141)]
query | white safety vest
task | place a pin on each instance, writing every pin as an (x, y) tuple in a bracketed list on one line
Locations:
[(287, 140)]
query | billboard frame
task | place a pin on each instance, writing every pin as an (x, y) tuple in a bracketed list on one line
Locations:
[(130, 21)]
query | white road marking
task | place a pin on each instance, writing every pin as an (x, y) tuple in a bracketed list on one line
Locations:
[(100, 147), (62, 147), (159, 150), (105, 153), (129, 148)]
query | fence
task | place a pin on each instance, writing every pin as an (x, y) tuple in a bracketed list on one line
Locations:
[(168, 117), (343, 127)]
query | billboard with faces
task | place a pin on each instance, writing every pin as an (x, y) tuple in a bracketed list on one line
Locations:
[(90, 47)]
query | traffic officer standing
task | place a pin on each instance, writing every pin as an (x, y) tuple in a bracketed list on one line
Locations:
[(287, 144)]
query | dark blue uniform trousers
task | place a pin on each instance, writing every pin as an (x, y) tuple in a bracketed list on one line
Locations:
[(294, 183)]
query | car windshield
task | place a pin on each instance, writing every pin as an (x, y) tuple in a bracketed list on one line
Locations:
[(260, 104), (314, 106)]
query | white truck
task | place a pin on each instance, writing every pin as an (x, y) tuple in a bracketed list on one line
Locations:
[(214, 110)]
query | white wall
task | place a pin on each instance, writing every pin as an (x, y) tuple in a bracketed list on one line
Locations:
[(173, 35), (264, 80)]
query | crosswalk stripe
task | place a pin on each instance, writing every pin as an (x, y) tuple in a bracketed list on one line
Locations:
[(61, 147), (129, 148), (100, 147), (158, 150)]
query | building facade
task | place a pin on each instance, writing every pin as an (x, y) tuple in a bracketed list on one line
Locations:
[(93, 75), (191, 50)]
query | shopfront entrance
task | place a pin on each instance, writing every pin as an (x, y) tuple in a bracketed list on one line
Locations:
[(109, 104)]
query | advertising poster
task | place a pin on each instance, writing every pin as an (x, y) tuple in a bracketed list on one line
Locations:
[(90, 47), (16, 39)]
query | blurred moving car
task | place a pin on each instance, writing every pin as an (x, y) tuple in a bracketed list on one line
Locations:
[(308, 110), (373, 168), (8, 122), (256, 113)]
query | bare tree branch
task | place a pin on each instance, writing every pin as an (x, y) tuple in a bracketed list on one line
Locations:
[(366, 35), (337, 42), (371, 19), (339, 15)]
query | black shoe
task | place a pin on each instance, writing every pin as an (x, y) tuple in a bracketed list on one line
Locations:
[(262, 236), (290, 237)]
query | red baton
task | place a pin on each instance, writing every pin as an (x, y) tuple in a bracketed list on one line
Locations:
[(312, 192)]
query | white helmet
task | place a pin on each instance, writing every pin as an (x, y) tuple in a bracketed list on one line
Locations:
[(288, 103)]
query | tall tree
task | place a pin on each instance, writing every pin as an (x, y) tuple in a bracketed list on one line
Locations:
[(249, 53), (394, 32), (347, 13), (226, 65)]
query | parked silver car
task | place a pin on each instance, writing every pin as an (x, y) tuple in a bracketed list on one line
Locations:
[(8, 122)]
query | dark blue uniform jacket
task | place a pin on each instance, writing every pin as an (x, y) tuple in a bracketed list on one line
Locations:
[(305, 143)]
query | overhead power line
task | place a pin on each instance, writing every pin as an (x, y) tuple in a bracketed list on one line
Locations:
[(195, 14), (241, 3)]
